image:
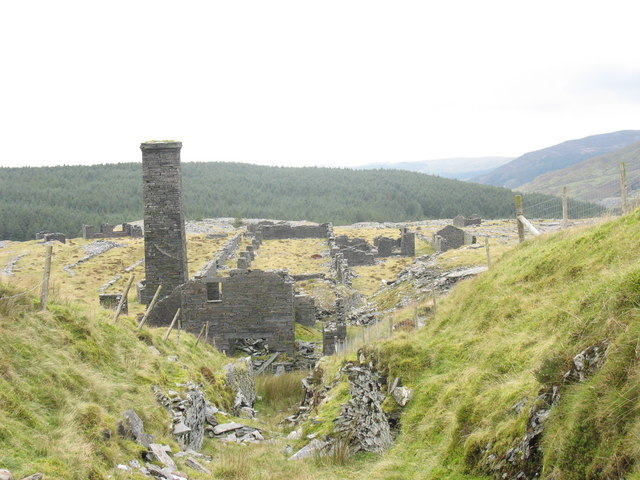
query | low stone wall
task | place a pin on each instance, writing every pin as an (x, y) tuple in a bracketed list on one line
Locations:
[(110, 301), (51, 236), (106, 231), (279, 231)]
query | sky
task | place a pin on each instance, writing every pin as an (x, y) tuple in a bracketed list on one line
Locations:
[(293, 83)]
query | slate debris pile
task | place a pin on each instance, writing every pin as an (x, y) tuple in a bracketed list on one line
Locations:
[(91, 250)]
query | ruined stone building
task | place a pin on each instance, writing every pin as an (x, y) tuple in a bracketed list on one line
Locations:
[(248, 304), (462, 221), (451, 237), (106, 231), (281, 230)]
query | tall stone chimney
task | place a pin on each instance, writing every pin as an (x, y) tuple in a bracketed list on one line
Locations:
[(165, 248)]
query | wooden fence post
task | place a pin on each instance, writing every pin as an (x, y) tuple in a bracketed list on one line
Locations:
[(45, 279), (150, 307), (199, 335), (565, 208), (175, 318), (433, 296), (519, 211), (623, 188), (123, 298), (486, 247), (390, 326)]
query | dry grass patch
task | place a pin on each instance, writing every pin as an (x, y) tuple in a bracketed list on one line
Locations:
[(296, 255), (369, 277)]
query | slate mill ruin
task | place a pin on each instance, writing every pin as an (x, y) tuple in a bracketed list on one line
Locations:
[(242, 304)]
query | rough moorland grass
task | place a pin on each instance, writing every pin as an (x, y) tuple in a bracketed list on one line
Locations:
[(500, 338), (548, 299), (66, 376)]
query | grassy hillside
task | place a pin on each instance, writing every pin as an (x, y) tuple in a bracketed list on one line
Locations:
[(64, 198), (530, 165), (503, 338), (68, 374), (594, 178)]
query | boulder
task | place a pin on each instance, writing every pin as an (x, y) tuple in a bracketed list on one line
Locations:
[(131, 427)]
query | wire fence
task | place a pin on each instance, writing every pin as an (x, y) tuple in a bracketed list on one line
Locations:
[(592, 200)]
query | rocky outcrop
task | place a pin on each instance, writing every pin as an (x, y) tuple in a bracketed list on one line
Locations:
[(131, 427), (523, 461)]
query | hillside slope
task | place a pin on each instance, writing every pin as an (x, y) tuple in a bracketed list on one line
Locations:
[(484, 370), (461, 168), (594, 178), (530, 165), (64, 198), (66, 377)]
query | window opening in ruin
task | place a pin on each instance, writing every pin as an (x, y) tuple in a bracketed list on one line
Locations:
[(214, 292)]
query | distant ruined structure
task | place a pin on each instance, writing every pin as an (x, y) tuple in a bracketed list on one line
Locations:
[(462, 221), (451, 237), (165, 249), (106, 231)]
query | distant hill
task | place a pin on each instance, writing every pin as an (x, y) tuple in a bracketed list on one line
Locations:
[(461, 168), (530, 165), (64, 198), (591, 179)]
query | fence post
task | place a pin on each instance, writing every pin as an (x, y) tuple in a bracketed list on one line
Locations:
[(175, 318), (45, 279), (623, 188), (519, 211), (486, 246), (565, 208), (151, 305), (390, 326), (123, 298), (364, 339), (433, 296), (199, 335)]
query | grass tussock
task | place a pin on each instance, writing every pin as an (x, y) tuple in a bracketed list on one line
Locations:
[(280, 393)]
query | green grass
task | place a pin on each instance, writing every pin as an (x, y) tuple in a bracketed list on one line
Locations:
[(497, 336)]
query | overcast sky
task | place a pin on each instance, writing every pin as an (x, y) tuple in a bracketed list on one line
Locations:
[(312, 83)]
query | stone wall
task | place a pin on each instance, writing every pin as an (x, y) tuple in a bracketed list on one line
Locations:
[(51, 236), (165, 249), (462, 221), (246, 304), (385, 246), (106, 231), (111, 300), (451, 237), (304, 310), (281, 230), (333, 332), (407, 243)]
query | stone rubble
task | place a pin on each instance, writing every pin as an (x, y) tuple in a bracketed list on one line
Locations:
[(8, 270), (362, 422), (92, 250)]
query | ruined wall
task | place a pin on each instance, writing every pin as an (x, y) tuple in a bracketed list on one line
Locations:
[(333, 333), (250, 304), (304, 310), (106, 231), (462, 221), (451, 237), (271, 231), (110, 301), (51, 236), (407, 243), (165, 247), (385, 246)]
